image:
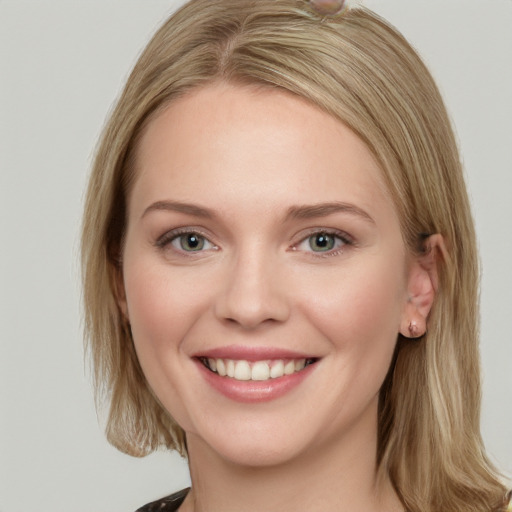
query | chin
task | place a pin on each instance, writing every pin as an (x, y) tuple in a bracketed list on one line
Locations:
[(257, 456), (252, 447)]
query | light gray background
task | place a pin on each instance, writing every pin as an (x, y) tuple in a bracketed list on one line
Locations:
[(62, 63)]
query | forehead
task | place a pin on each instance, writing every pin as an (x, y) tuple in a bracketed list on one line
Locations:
[(257, 143)]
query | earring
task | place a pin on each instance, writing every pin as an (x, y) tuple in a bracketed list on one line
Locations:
[(414, 330)]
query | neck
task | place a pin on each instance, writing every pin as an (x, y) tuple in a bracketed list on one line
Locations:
[(339, 475)]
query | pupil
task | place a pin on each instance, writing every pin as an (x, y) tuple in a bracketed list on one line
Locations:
[(322, 242), (192, 242)]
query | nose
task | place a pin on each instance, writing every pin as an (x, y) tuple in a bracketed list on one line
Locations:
[(253, 293)]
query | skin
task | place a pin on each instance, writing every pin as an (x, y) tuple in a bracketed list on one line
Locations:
[(249, 156)]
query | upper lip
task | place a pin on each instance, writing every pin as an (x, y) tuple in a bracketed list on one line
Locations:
[(251, 353)]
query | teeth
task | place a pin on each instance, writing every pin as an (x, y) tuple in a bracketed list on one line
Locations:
[(242, 370), (300, 365), (258, 370), (277, 369), (221, 367), (230, 368), (289, 368)]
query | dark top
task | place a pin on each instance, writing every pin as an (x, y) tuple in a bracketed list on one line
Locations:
[(172, 503), (169, 504)]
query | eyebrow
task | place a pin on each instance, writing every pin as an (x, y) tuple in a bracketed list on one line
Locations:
[(294, 212), (176, 206), (326, 209)]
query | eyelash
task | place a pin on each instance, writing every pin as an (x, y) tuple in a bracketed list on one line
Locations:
[(340, 236), (168, 238)]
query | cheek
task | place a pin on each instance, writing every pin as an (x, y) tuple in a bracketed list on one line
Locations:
[(360, 317), (359, 309), (161, 308)]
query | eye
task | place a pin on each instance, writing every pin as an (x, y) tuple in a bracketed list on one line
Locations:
[(323, 242), (191, 242), (188, 241)]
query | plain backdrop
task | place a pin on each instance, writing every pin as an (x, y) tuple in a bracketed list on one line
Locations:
[(62, 64)]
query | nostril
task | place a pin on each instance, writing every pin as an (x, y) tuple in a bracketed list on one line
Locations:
[(251, 314), (252, 294), (250, 322)]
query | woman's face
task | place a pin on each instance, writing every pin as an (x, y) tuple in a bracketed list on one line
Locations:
[(261, 242)]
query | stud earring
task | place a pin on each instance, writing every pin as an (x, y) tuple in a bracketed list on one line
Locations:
[(414, 330)]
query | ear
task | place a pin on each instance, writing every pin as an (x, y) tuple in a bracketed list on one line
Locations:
[(120, 292), (423, 282)]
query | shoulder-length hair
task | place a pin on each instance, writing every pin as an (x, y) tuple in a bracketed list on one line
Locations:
[(359, 69)]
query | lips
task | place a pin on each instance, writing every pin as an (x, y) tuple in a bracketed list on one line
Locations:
[(249, 374)]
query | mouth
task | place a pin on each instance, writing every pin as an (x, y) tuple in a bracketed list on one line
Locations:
[(261, 371)]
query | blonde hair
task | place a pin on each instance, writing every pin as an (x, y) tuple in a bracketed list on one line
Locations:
[(362, 71)]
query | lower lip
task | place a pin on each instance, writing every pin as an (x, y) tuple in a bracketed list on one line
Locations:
[(250, 391)]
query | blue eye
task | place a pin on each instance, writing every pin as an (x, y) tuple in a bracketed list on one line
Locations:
[(191, 242)]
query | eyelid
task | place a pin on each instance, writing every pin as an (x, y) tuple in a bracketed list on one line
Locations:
[(347, 240), (165, 240)]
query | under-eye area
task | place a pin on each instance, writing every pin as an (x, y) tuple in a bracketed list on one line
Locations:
[(256, 370)]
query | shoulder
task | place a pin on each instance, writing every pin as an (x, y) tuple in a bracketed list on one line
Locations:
[(167, 504)]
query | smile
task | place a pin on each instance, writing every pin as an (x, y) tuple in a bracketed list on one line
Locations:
[(243, 370)]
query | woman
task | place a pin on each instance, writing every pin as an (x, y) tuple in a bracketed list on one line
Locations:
[(280, 271)]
